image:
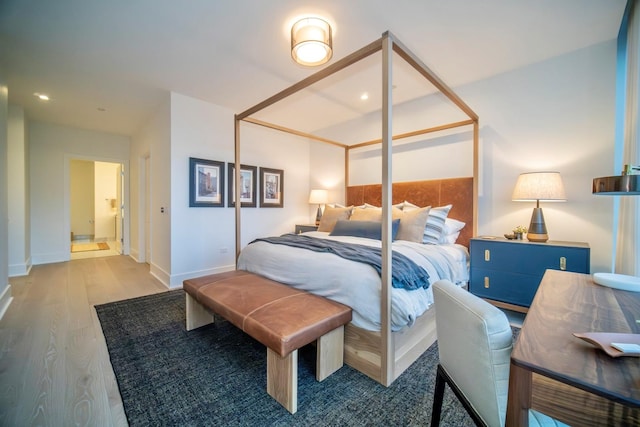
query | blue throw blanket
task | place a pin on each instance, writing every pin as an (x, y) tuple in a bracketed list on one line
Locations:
[(405, 274)]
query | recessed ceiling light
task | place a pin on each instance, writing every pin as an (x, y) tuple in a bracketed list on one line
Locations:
[(364, 96), (41, 96)]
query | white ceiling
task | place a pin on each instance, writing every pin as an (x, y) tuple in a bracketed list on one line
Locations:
[(124, 56)]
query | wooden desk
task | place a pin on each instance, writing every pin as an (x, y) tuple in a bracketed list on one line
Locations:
[(564, 377)]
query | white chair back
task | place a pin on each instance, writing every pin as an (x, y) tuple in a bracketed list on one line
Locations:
[(474, 342)]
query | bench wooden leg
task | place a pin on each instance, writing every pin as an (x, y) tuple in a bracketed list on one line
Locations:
[(329, 353), (282, 379), (196, 314)]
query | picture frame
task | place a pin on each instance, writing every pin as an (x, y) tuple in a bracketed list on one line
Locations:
[(249, 183), (206, 183), (271, 188)]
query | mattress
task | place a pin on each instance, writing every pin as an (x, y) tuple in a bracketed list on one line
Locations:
[(356, 284)]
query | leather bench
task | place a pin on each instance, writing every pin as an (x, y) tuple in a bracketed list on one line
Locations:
[(278, 316)]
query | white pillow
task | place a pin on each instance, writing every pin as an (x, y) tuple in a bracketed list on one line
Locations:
[(452, 225), (451, 231), (367, 206), (449, 239), (434, 229)]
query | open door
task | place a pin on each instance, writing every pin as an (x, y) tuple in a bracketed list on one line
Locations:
[(96, 211)]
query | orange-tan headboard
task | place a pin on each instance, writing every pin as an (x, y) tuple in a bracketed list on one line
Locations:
[(439, 192)]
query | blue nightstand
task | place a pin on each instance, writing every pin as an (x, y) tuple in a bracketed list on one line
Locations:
[(303, 228), (507, 272)]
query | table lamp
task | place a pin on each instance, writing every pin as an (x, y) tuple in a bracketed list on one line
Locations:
[(537, 186), (627, 184), (319, 197)]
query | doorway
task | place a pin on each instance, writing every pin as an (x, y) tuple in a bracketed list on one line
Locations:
[(96, 208)]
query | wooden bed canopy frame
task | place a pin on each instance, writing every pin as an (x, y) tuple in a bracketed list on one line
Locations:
[(382, 355)]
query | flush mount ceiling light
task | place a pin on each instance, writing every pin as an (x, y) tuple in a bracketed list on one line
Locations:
[(41, 96), (311, 42)]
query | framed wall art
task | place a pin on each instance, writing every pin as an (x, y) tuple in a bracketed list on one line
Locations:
[(271, 188), (206, 183), (248, 185)]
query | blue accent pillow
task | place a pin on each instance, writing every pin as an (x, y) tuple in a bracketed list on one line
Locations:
[(366, 229)]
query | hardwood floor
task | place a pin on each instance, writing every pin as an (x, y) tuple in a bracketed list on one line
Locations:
[(54, 365)]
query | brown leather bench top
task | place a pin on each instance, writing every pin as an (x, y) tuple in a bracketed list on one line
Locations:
[(280, 317)]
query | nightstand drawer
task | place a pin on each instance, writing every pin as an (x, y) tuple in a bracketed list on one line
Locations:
[(526, 258), (513, 288)]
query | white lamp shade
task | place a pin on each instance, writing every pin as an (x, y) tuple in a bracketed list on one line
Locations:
[(319, 197), (311, 41), (534, 186)]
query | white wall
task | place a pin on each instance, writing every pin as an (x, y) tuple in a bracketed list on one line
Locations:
[(203, 239), (553, 115), (416, 158), (51, 148), (327, 163), (152, 141), (18, 193), (5, 288), (192, 241)]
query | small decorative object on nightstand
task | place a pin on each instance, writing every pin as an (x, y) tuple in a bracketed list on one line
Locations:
[(507, 272), (519, 231), (303, 228)]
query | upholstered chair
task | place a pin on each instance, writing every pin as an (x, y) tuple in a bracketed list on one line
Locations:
[(474, 342)]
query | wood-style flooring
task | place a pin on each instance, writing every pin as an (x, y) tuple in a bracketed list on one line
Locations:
[(54, 365)]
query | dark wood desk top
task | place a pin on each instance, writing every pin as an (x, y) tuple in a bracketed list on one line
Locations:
[(571, 302)]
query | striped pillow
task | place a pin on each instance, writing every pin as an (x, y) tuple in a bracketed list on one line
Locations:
[(435, 224)]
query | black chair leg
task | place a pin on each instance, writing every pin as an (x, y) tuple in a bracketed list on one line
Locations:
[(438, 395), (442, 378)]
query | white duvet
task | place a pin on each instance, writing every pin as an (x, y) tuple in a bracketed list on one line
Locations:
[(356, 284)]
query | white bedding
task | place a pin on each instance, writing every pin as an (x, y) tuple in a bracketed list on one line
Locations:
[(356, 284)]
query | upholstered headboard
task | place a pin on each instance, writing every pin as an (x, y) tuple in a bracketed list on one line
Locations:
[(455, 191)]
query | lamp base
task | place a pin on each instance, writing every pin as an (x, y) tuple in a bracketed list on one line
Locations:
[(318, 215), (535, 237), (618, 281), (537, 231)]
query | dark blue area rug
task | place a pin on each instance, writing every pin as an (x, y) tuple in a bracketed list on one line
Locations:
[(216, 375)]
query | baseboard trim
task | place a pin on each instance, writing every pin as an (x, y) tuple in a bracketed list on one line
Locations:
[(51, 258), (176, 280), (23, 269), (133, 253), (160, 274)]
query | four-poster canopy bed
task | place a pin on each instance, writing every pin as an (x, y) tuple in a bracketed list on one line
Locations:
[(385, 353)]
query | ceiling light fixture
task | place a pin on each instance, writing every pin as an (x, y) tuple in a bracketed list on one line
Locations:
[(311, 41), (364, 96), (41, 96)]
